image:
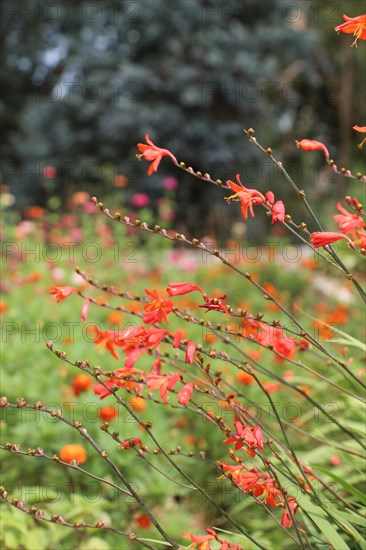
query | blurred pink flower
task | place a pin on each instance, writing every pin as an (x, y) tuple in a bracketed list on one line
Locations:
[(140, 200), (89, 208), (49, 172), (58, 274), (23, 229), (170, 184), (76, 234)]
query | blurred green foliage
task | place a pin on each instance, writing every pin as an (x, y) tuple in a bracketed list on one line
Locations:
[(84, 81)]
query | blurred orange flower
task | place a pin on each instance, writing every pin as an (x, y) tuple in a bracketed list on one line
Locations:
[(137, 403), (73, 452), (81, 383), (115, 318), (108, 414), (120, 180), (245, 378), (34, 212)]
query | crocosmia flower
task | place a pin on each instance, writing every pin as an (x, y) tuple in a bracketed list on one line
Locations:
[(353, 25), (278, 212), (313, 145), (362, 130), (322, 238), (177, 289), (153, 154), (62, 292), (247, 197)]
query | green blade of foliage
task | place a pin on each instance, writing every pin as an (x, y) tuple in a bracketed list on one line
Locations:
[(350, 488), (327, 529)]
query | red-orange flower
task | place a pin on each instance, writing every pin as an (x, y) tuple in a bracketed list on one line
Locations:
[(81, 382), (108, 414), (361, 239), (106, 339), (245, 378), (73, 452), (245, 435), (247, 197), (85, 309), (347, 222), (153, 154), (353, 25), (203, 541), (177, 289), (362, 130), (217, 304), (130, 443), (143, 521), (278, 212), (158, 309), (322, 238), (190, 351), (312, 145), (185, 393), (286, 518), (62, 292), (164, 383)]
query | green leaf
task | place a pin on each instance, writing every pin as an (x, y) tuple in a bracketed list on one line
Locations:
[(350, 488), (327, 529)]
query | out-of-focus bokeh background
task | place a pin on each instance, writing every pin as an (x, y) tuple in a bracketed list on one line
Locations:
[(84, 81)]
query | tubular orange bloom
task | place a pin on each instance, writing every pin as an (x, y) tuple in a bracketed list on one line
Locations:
[(361, 239), (106, 339), (81, 382), (278, 212), (158, 309), (353, 25), (185, 393), (312, 145), (84, 311), (153, 154), (322, 238), (102, 391), (270, 198), (178, 335), (163, 383), (245, 435), (62, 292), (247, 197), (177, 289), (190, 351), (73, 452), (347, 222), (203, 541), (362, 130), (286, 518), (154, 336)]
